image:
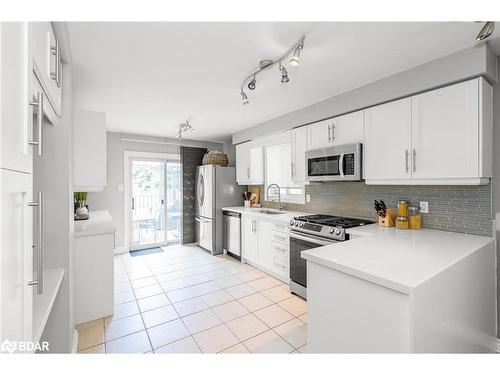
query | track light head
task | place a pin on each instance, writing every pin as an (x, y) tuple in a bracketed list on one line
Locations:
[(244, 97), (294, 61), (251, 84), (284, 74), (486, 31)]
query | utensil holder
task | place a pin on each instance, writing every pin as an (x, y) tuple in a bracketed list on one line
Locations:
[(246, 204), (389, 220)]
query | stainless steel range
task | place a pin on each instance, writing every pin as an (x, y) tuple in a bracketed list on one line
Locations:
[(308, 232)]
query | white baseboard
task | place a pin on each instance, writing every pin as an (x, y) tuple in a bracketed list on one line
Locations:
[(74, 349), (121, 250)]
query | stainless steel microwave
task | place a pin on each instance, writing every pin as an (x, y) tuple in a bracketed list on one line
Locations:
[(335, 163)]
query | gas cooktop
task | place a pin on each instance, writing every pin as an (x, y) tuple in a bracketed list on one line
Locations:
[(328, 226)]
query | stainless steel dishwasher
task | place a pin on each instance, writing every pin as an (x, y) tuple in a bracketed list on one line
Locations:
[(232, 233)]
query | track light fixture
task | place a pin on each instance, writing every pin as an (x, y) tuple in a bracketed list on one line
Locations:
[(284, 74), (486, 31), (293, 51), (184, 128), (251, 84), (244, 97)]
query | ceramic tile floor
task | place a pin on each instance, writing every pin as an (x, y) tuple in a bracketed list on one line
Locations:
[(185, 300)]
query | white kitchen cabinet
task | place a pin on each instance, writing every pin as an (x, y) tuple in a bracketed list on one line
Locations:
[(339, 130), (16, 257), (249, 239), (249, 164), (46, 61), (265, 245), (89, 150), (387, 144), (16, 130), (94, 267), (445, 132), (278, 165), (299, 148), (441, 137)]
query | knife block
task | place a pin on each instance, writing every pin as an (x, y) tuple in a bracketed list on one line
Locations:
[(389, 220)]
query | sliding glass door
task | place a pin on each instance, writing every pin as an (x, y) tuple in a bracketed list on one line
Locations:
[(155, 202)]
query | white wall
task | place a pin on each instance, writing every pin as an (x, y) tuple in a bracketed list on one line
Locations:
[(111, 198)]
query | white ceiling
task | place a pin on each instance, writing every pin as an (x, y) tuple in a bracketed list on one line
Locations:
[(149, 77)]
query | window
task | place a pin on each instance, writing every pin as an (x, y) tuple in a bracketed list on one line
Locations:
[(278, 161)]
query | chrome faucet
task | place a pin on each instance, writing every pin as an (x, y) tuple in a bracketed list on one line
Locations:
[(279, 194)]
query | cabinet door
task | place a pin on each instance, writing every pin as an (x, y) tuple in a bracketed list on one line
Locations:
[(279, 165), (15, 119), (44, 64), (243, 163), (347, 129), (265, 252), (387, 145), (299, 148), (16, 256), (445, 132), (249, 239), (319, 134), (257, 165), (89, 150)]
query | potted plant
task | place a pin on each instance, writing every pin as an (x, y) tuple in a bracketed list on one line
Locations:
[(81, 203)]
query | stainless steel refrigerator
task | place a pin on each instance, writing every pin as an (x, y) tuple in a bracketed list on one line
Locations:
[(216, 187)]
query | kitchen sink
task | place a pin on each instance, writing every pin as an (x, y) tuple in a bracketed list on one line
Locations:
[(269, 212)]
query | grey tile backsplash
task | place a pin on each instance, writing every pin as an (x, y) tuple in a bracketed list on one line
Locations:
[(462, 209)]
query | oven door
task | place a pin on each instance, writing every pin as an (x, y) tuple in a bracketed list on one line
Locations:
[(298, 243)]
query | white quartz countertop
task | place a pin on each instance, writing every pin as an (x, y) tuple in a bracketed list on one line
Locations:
[(285, 216), (99, 222), (397, 259)]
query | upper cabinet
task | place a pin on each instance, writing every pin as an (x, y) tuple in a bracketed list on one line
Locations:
[(16, 130), (299, 148), (387, 144), (249, 164), (89, 151), (442, 136), (46, 61), (336, 131)]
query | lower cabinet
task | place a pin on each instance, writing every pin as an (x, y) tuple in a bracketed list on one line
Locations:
[(265, 246)]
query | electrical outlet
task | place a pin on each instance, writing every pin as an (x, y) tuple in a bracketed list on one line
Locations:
[(424, 207), (308, 198)]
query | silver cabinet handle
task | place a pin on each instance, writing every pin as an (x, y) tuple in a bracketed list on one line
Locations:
[(39, 282), (341, 165), (56, 75), (407, 157), (133, 203), (329, 133), (293, 170), (38, 103), (248, 172), (414, 160), (333, 132)]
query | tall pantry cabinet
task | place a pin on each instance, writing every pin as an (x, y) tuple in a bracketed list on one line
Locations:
[(35, 183)]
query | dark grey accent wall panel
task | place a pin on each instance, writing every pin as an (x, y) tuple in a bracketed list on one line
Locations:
[(191, 157)]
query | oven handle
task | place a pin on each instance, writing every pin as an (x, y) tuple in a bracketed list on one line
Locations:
[(316, 240)]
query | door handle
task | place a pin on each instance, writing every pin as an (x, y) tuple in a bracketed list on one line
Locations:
[(414, 160), (333, 131), (341, 165), (329, 133), (133, 203), (39, 282), (407, 157), (56, 51), (38, 103)]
